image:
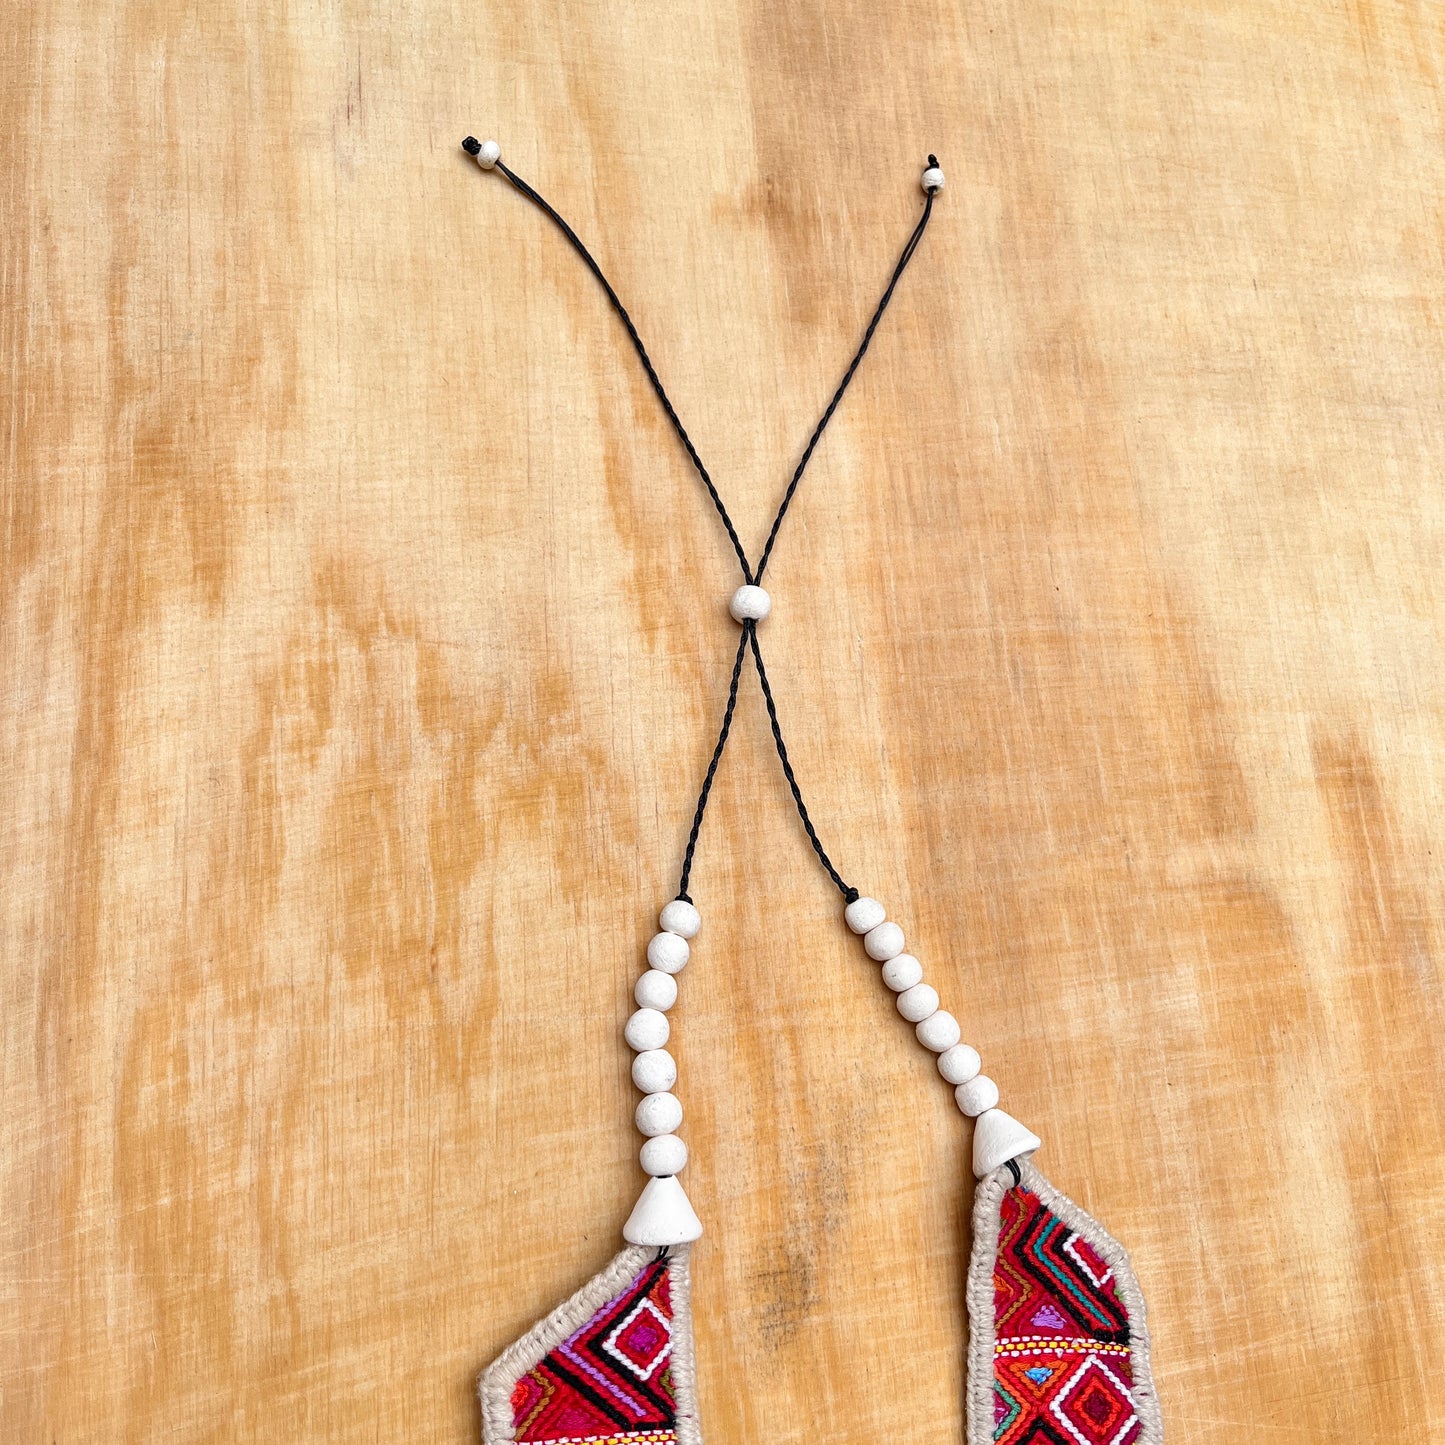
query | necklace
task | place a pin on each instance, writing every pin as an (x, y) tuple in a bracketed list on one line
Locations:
[(1058, 1351)]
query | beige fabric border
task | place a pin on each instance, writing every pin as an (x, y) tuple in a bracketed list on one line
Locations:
[(986, 1203)]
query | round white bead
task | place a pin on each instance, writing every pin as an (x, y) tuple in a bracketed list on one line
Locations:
[(656, 989), (933, 179), (883, 942), (864, 913), (902, 972), (658, 1114), (664, 1156), (654, 1071), (750, 604), (959, 1064), (917, 1003), (489, 154), (939, 1031), (647, 1029), (977, 1096), (668, 952), (680, 918)]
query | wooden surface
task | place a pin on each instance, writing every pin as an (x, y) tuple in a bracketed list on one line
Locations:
[(363, 638)]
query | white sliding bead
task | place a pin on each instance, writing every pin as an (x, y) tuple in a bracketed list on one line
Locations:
[(680, 918), (658, 1114), (902, 972), (654, 1071), (656, 990), (488, 154), (918, 1003), (939, 1031), (977, 1096), (864, 913), (883, 942), (663, 1156), (647, 1029), (750, 604), (668, 952), (959, 1064), (933, 179)]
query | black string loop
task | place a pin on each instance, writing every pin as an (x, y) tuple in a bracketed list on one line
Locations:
[(749, 637)]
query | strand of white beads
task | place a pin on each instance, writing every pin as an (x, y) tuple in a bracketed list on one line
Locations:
[(998, 1137), (663, 1215)]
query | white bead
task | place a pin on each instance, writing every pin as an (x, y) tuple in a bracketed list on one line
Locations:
[(902, 972), (864, 913), (959, 1064), (977, 1096), (681, 918), (750, 604), (668, 952), (883, 942), (656, 990), (663, 1156), (658, 1114), (489, 154), (661, 1216), (647, 1029), (933, 179), (939, 1031), (997, 1138), (654, 1071), (918, 1003)]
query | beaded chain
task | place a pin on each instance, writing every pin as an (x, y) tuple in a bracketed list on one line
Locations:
[(663, 1216)]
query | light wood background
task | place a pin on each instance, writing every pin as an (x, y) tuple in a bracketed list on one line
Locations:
[(364, 639)]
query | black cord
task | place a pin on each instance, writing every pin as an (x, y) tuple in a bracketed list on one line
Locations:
[(749, 629)]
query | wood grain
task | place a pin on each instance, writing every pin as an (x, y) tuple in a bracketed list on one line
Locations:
[(364, 637)]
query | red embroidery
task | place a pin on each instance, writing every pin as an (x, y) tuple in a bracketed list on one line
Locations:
[(1061, 1368), (610, 1383)]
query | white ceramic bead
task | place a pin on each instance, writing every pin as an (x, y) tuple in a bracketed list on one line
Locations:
[(658, 1114), (959, 1064), (663, 1156), (933, 179), (680, 918), (883, 942), (864, 913), (977, 1096), (939, 1031), (656, 989), (668, 952), (489, 154), (997, 1138), (918, 1003), (902, 972), (647, 1029), (654, 1071), (750, 604), (663, 1215)]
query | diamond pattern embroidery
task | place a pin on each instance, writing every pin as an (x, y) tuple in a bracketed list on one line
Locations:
[(1062, 1369)]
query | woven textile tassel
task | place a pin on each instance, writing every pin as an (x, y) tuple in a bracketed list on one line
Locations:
[(1058, 1349), (612, 1366)]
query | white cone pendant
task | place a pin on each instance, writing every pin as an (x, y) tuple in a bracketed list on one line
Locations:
[(662, 1216), (997, 1138)]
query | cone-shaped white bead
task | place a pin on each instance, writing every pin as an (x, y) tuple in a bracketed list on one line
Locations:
[(662, 1216), (997, 1138)]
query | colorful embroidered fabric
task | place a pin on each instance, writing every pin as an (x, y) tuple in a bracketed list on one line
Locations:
[(610, 1382), (1062, 1366)]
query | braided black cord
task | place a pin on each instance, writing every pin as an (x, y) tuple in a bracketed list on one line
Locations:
[(749, 631), (849, 894), (903, 260), (647, 365), (717, 752)]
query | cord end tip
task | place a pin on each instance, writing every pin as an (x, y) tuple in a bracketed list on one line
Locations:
[(485, 153), (471, 145)]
